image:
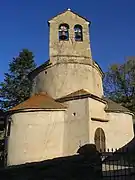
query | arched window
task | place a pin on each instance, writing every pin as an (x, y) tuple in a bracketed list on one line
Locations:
[(100, 139), (78, 32), (64, 32)]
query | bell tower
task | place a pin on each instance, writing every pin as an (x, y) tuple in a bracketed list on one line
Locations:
[(69, 39), (70, 66)]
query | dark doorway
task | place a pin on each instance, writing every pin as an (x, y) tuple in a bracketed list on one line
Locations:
[(100, 140)]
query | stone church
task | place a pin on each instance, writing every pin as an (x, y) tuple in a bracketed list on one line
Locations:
[(67, 108)]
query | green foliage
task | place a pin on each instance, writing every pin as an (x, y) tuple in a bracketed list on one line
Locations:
[(119, 83), (16, 86)]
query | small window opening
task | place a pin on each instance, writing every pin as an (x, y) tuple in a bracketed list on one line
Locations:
[(8, 128), (45, 72), (78, 32), (64, 32)]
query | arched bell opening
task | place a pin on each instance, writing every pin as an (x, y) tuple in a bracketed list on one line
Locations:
[(78, 30), (64, 32)]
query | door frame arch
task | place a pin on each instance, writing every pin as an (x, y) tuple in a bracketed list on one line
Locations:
[(100, 139)]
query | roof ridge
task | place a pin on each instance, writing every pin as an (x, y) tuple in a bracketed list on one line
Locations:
[(71, 12), (82, 93)]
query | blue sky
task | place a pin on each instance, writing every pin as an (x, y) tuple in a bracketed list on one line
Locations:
[(23, 24)]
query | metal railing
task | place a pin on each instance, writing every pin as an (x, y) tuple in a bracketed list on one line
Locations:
[(118, 165)]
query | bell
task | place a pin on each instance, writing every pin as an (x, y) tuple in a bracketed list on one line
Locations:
[(78, 35), (63, 35)]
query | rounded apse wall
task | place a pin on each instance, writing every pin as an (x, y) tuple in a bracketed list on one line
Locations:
[(65, 78)]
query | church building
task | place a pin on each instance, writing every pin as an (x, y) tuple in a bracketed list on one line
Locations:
[(67, 108)]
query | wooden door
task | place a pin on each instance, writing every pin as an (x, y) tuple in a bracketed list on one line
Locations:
[(100, 139)]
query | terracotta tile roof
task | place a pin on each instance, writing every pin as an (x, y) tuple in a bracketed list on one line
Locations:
[(114, 107), (111, 106), (79, 95), (39, 101)]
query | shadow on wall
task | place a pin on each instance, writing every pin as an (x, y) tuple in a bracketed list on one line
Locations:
[(86, 165), (134, 127)]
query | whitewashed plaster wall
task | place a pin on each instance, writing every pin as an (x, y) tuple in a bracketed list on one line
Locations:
[(118, 130), (65, 78), (76, 126), (35, 136)]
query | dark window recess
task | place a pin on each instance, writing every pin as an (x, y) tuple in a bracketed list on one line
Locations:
[(78, 32), (64, 32), (8, 128), (45, 72)]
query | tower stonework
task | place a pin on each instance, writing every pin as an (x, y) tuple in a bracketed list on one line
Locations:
[(69, 50), (70, 63)]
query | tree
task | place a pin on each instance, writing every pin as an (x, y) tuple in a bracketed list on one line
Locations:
[(119, 83), (16, 86)]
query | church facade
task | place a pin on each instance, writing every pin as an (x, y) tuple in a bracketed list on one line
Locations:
[(67, 108)]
